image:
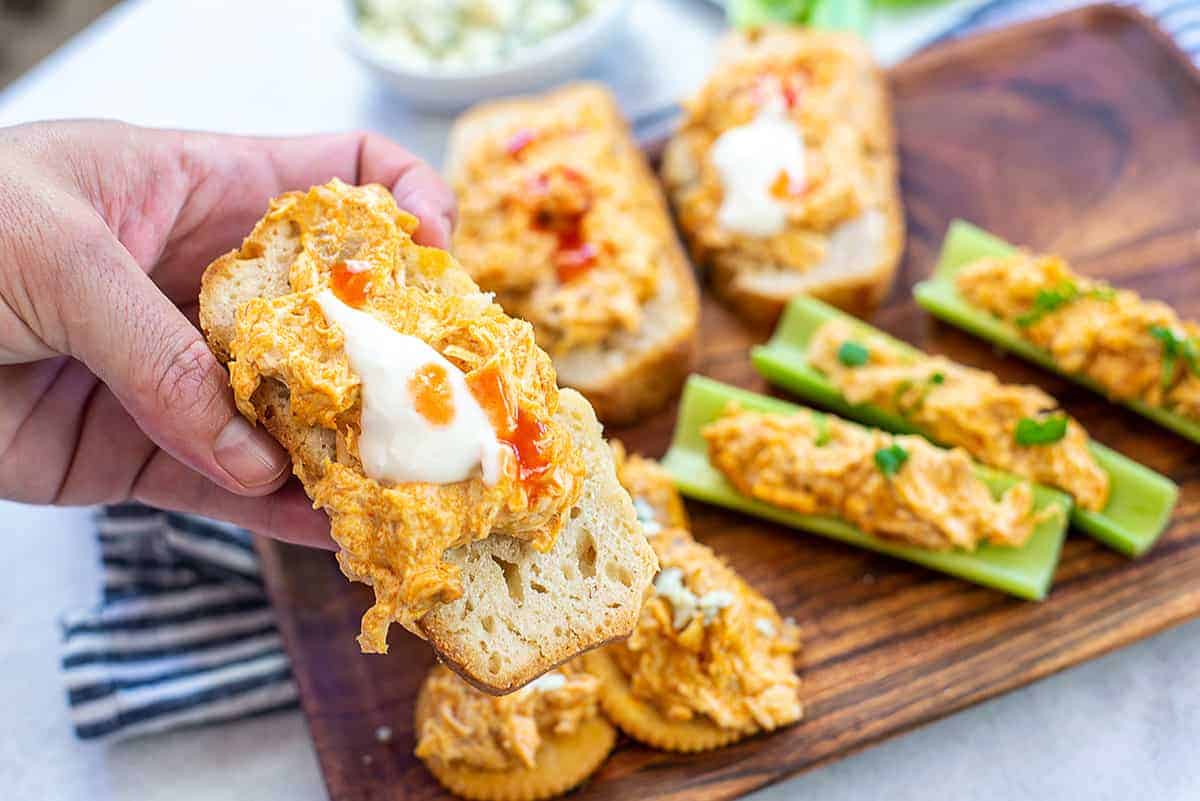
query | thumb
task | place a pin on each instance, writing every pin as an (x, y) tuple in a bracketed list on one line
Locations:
[(158, 365)]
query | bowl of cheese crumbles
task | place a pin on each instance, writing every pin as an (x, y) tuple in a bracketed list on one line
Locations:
[(447, 54)]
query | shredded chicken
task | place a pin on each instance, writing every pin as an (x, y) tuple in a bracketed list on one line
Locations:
[(964, 407), (1133, 348), (393, 536), (653, 491), (490, 732), (559, 216), (820, 80), (896, 487), (723, 653)]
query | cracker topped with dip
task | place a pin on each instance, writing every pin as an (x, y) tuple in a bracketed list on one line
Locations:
[(711, 660)]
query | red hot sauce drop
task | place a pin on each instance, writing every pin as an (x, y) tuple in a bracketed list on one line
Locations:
[(349, 286), (521, 432), (561, 197)]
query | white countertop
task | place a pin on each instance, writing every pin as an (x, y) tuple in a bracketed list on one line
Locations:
[(1126, 726)]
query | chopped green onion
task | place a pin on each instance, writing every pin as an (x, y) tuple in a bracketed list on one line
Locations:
[(853, 354), (898, 396), (1174, 347), (822, 423), (1048, 300), (1041, 432), (937, 378), (889, 460), (1170, 351)]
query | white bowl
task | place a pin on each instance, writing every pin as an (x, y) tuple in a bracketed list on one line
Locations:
[(561, 56)]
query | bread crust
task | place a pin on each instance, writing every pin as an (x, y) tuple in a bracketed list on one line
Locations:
[(638, 377), (731, 274)]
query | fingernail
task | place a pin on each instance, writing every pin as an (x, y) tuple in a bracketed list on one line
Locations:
[(248, 455)]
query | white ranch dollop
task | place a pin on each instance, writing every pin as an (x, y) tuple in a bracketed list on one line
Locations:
[(749, 158), (398, 444)]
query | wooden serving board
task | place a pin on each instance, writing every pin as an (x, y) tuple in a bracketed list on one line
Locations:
[(1079, 134)]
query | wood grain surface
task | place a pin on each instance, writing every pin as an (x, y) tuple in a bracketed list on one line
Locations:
[(1079, 134)]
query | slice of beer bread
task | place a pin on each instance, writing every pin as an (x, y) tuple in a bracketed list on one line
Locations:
[(631, 373), (522, 612)]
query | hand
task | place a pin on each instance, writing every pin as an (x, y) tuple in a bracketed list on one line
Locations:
[(107, 389)]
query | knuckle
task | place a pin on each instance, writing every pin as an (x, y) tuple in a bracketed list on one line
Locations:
[(186, 382)]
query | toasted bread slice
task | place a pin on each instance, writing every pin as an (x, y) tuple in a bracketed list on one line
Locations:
[(860, 254), (630, 371), (521, 612)]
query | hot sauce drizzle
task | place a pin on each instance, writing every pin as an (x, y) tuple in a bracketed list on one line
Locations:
[(349, 286), (432, 397), (519, 141), (561, 213), (789, 88), (524, 439), (521, 432), (575, 256)]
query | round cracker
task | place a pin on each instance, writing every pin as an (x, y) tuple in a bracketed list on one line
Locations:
[(563, 761), (644, 723)]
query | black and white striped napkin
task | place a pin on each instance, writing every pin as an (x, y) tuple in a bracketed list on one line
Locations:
[(184, 634)]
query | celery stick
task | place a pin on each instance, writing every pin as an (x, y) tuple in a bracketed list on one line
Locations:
[(964, 244), (1024, 572), (1141, 500)]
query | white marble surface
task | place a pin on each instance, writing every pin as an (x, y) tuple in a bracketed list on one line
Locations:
[(1126, 726)]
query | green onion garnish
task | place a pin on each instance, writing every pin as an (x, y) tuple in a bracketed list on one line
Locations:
[(889, 460), (853, 354), (937, 378), (822, 423), (1047, 300), (1041, 432), (1174, 347)]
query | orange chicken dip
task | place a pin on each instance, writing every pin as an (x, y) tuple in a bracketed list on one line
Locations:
[(532, 744), (708, 645), (362, 298), (899, 488), (491, 732), (560, 217), (1018, 428), (655, 498), (1133, 348), (710, 660), (804, 108)]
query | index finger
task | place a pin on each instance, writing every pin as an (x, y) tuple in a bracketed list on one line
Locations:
[(231, 180)]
